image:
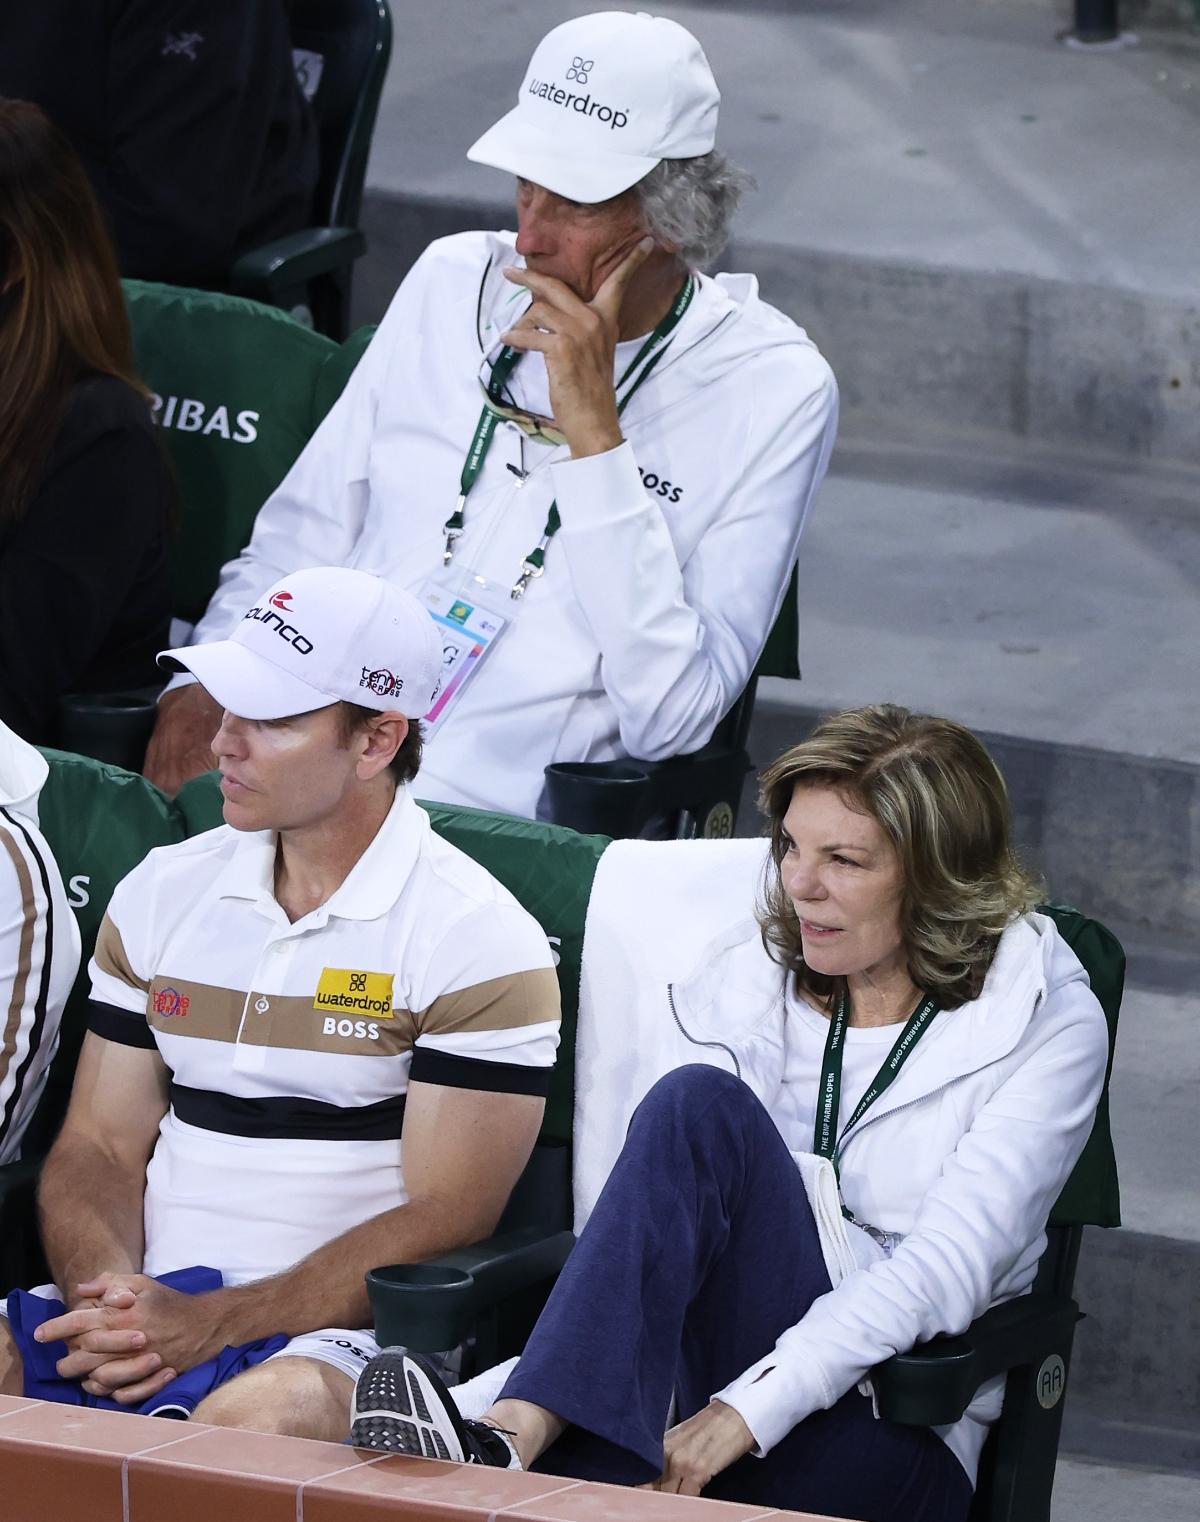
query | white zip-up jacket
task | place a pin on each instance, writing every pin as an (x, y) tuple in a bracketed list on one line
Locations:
[(675, 548), (962, 1157)]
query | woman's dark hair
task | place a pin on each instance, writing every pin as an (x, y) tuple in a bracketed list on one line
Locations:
[(406, 763), (940, 799), (61, 313)]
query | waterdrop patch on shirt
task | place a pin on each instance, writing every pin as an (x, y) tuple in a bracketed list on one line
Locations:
[(368, 993)]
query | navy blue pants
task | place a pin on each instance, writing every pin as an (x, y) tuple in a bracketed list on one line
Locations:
[(701, 1250)]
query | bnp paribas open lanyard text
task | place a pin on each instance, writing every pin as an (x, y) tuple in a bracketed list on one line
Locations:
[(647, 357), (825, 1138)]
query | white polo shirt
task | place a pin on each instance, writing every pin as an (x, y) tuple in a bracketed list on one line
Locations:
[(291, 1046)]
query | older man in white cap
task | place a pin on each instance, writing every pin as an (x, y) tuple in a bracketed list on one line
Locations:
[(320, 1040), (601, 454)]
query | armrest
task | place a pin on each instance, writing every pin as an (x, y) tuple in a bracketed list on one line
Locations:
[(433, 1306), (933, 1385), (109, 726), (618, 798), (295, 259)]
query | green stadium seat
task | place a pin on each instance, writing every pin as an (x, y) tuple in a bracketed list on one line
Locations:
[(237, 393)]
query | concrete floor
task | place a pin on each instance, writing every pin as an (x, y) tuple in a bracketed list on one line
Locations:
[(1086, 1492)]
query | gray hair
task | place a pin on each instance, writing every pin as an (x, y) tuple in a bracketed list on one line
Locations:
[(691, 202)]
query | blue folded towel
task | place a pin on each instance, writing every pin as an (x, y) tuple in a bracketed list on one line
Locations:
[(179, 1399)]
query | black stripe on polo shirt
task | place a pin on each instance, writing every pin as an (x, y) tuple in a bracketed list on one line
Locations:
[(288, 1118), (128, 1026), (454, 1072)]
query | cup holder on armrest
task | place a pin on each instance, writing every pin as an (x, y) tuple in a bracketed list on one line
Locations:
[(426, 1306)]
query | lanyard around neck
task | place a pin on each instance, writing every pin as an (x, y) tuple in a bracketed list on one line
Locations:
[(647, 357), (825, 1140)]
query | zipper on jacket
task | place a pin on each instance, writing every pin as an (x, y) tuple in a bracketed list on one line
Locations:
[(695, 1040), (899, 1109)]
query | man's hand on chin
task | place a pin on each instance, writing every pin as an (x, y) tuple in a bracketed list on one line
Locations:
[(578, 340), (129, 1336)]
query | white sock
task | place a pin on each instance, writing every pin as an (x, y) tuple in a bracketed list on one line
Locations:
[(474, 1396)]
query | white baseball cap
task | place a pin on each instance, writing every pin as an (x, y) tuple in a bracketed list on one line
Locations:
[(605, 98), (319, 637)]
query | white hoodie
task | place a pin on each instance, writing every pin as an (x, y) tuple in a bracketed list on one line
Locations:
[(962, 1158), (675, 549), (39, 942)]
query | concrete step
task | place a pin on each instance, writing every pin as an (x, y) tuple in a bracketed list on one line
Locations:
[(1050, 605), (1093, 1492)]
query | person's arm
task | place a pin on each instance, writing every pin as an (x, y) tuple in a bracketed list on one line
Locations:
[(461, 1154), (93, 1182), (69, 566), (678, 638), (463, 1150), (678, 641), (989, 1204)]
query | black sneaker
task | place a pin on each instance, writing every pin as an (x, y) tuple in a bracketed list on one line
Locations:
[(400, 1405)]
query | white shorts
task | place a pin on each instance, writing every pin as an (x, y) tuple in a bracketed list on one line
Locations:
[(349, 1351)]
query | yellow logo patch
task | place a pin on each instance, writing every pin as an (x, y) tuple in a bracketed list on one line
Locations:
[(363, 993)]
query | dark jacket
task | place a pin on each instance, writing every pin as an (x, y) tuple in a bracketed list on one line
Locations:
[(85, 592), (186, 114)]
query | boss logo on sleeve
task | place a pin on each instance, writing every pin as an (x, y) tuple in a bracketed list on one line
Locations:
[(346, 992), (653, 482)]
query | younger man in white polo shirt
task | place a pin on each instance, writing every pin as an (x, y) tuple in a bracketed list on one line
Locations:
[(320, 1040)]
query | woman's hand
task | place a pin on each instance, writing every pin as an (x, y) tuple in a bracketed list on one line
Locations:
[(698, 1449)]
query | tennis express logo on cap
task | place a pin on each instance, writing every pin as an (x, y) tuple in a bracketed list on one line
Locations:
[(380, 681), (586, 105)]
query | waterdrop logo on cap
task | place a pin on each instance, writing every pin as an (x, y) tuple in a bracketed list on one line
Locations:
[(605, 98)]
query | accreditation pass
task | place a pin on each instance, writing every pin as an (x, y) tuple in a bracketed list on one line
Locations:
[(468, 631)]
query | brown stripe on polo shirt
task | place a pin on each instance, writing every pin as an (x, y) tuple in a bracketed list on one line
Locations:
[(111, 957), (496, 1004), (183, 1007), (16, 1003)]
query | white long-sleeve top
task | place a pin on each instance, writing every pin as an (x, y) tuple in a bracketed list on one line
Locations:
[(39, 943), (961, 1158), (675, 548)]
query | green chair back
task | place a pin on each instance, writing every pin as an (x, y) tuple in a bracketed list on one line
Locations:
[(548, 870), (353, 39), (236, 387), (100, 821), (1091, 1196), (781, 653)]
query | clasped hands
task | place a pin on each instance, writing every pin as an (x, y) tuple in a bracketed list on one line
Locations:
[(128, 1336), (578, 339)]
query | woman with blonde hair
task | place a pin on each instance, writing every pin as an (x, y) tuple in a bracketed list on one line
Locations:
[(85, 492), (904, 1028)]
